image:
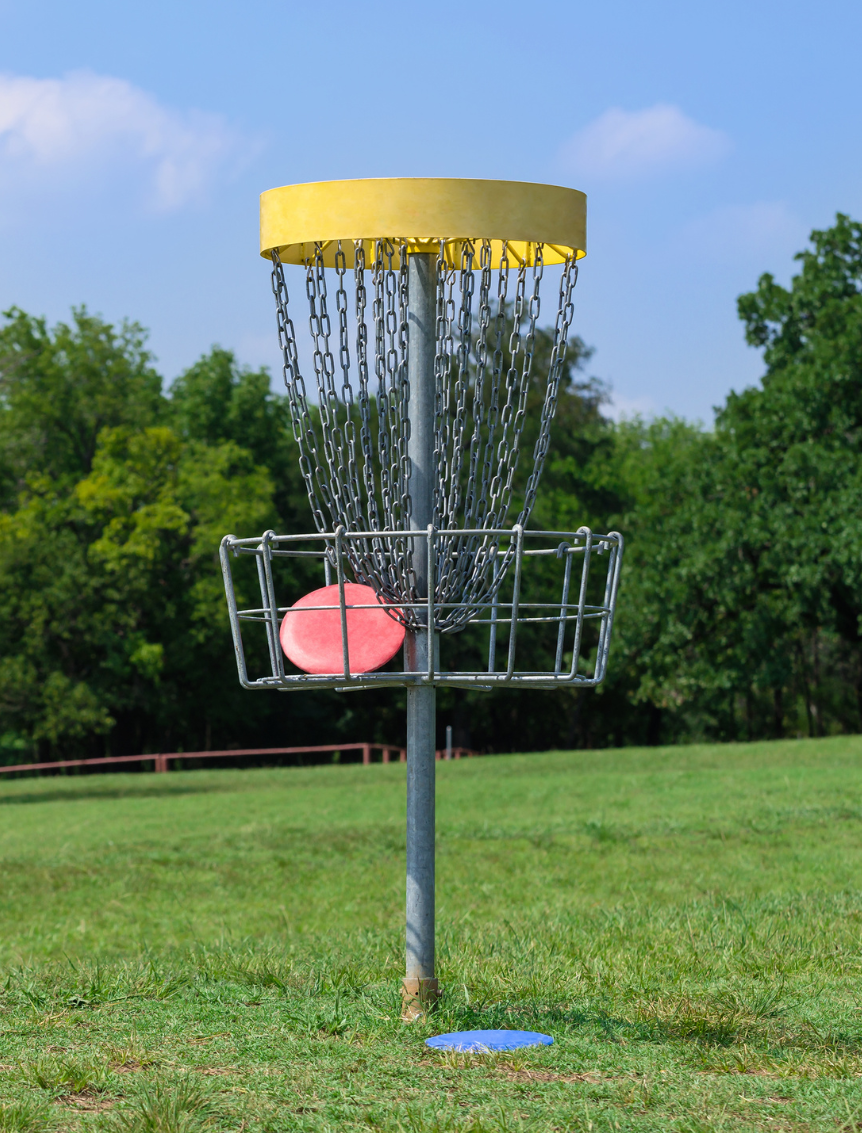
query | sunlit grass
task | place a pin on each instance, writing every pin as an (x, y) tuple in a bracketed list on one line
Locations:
[(222, 950)]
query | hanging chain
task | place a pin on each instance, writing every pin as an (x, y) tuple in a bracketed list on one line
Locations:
[(455, 557), (483, 323), (462, 381), (402, 383), (565, 313), (444, 350), (442, 380), (320, 329), (297, 399), (364, 399), (347, 408), (523, 384), (383, 435), (403, 549), (355, 464)]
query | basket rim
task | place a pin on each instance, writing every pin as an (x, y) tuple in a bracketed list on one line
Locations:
[(421, 212)]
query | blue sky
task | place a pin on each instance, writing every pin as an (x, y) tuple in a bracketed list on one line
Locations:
[(709, 137)]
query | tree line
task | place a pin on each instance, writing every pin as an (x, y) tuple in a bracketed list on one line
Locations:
[(740, 603)]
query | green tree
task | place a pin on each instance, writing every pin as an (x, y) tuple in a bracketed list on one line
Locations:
[(218, 400), (60, 387), (113, 629), (796, 444), (113, 615), (740, 612)]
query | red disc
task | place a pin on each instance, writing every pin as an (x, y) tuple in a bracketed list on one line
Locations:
[(311, 636)]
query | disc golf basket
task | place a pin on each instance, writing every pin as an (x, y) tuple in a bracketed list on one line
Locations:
[(423, 298)]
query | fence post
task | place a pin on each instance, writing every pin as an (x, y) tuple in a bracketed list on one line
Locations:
[(366, 754)]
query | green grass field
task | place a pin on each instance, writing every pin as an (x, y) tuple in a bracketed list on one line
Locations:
[(222, 949)]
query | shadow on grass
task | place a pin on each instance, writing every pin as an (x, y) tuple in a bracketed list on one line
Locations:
[(74, 792), (709, 1023), (529, 1018)]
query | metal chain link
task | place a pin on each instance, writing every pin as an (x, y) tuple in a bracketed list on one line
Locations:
[(297, 398), (320, 329), (442, 379), (483, 323), (456, 554), (523, 384), (365, 400), (462, 381), (348, 457), (355, 463), (403, 549), (565, 313)]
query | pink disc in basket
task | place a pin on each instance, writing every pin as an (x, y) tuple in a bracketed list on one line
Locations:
[(311, 636)]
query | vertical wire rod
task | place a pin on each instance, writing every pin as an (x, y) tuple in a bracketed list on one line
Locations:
[(518, 531), (611, 584), (564, 609), (232, 611), (582, 598), (267, 594), (339, 561), (273, 625), (429, 614), (492, 632)]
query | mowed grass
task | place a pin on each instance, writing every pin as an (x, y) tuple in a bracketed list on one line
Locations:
[(222, 949)]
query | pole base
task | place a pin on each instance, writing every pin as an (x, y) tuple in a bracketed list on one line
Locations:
[(418, 997)]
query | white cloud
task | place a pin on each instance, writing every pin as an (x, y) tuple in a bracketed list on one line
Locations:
[(733, 233), (620, 408), (622, 143), (92, 125)]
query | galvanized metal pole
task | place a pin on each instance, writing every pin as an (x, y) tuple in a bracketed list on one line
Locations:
[(420, 989)]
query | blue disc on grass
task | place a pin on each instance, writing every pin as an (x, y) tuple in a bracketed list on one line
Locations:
[(479, 1041)]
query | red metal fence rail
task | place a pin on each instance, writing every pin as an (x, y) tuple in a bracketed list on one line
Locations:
[(160, 759)]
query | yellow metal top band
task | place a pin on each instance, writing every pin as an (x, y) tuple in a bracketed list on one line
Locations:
[(420, 212)]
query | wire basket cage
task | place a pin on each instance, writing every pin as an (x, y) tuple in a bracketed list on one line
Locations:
[(514, 637)]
